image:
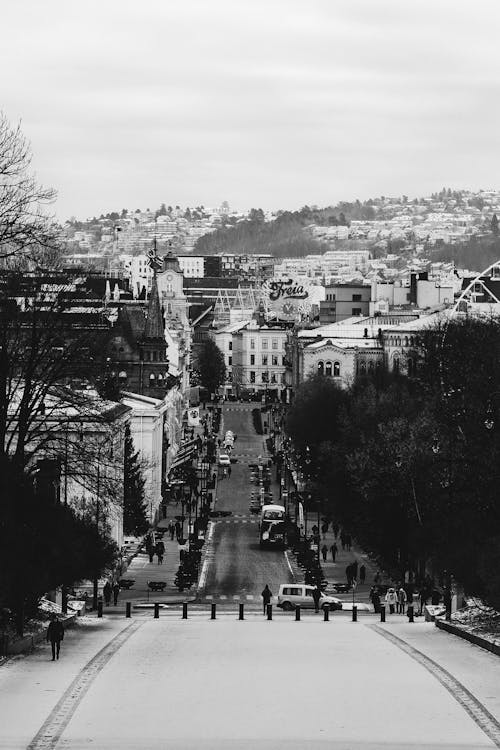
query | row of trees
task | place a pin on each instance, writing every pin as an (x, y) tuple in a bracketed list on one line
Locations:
[(44, 542), (410, 465)]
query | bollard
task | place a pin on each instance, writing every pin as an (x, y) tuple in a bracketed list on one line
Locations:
[(410, 613), (326, 612), (269, 610), (128, 609), (382, 613), (99, 608), (354, 613), (157, 610), (297, 613), (240, 616), (212, 614), (184, 610)]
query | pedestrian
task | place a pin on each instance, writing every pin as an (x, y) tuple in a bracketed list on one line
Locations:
[(376, 578), (354, 568), (424, 598), (266, 597), (55, 634), (106, 592), (178, 530), (391, 599), (362, 574), (334, 550), (116, 591), (348, 542), (316, 596), (324, 552), (171, 530), (160, 551), (375, 598), (150, 548), (348, 574), (401, 605)]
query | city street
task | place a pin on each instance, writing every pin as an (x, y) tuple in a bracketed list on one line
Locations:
[(238, 567), (170, 683)]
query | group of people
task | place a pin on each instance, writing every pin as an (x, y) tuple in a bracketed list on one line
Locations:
[(153, 548), (396, 599), (109, 590), (353, 570)]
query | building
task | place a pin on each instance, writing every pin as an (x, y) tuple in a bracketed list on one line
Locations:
[(258, 359), (344, 301), (156, 427)]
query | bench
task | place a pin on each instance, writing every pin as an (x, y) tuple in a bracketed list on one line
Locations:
[(156, 585)]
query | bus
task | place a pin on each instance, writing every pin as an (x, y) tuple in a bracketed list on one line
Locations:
[(272, 526)]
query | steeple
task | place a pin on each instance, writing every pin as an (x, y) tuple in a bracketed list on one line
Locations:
[(154, 321)]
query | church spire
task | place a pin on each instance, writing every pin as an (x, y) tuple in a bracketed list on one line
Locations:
[(154, 322)]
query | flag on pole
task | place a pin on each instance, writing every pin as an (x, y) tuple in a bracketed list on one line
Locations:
[(194, 417)]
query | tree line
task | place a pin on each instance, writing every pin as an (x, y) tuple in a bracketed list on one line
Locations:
[(410, 464)]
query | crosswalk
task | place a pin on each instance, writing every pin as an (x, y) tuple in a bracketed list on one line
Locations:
[(236, 519)]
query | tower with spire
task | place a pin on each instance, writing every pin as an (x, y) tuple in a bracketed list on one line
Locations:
[(153, 348)]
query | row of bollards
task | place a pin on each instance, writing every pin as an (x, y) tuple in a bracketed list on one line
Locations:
[(269, 612)]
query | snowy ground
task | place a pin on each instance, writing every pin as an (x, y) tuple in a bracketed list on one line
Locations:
[(230, 684)]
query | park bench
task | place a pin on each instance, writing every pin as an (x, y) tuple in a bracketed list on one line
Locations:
[(156, 585)]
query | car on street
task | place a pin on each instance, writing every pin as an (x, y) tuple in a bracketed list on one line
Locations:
[(291, 595), (224, 460)]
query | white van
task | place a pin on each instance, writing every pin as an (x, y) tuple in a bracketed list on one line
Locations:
[(291, 595)]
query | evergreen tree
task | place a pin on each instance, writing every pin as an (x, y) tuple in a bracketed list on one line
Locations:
[(211, 366), (134, 510), (494, 224)]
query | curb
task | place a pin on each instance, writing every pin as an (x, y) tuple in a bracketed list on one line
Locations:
[(477, 640)]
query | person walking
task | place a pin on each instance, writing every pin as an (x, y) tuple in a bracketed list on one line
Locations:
[(401, 605), (334, 549), (150, 548), (324, 552), (354, 568), (160, 551), (348, 542), (348, 574), (266, 597), (391, 598), (362, 574), (55, 634), (106, 592), (116, 592), (171, 530), (178, 530), (424, 598), (375, 599), (316, 597)]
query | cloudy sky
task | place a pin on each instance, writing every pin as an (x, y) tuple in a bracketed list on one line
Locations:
[(271, 103)]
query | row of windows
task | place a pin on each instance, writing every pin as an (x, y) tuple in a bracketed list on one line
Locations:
[(155, 356), (265, 344), (325, 368), (403, 341), (267, 377), (154, 379), (265, 360)]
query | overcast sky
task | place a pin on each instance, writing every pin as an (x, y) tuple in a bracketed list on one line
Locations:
[(269, 103)]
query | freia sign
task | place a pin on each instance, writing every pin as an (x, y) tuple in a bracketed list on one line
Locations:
[(285, 288)]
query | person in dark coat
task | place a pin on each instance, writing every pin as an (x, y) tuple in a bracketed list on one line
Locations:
[(324, 552), (362, 574), (266, 597), (316, 596), (171, 530), (375, 599), (348, 574), (55, 634), (334, 550), (116, 591), (354, 568), (150, 549), (160, 551), (106, 592)]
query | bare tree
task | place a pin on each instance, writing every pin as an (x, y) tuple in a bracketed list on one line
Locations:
[(25, 228)]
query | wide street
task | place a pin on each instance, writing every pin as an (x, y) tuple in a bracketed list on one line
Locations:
[(225, 683)]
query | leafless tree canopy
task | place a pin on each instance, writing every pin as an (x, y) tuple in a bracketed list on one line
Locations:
[(25, 228)]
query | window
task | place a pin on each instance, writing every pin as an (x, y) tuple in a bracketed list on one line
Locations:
[(336, 369), (273, 377), (328, 368), (252, 343), (264, 343), (356, 297), (274, 343), (356, 311), (265, 377), (252, 359), (274, 360), (160, 379), (264, 360), (321, 367), (283, 378), (155, 356), (252, 376), (122, 375), (362, 367), (395, 365), (152, 380), (230, 346), (147, 356), (229, 361)]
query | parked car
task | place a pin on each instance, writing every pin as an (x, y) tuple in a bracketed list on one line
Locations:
[(224, 460), (291, 595)]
